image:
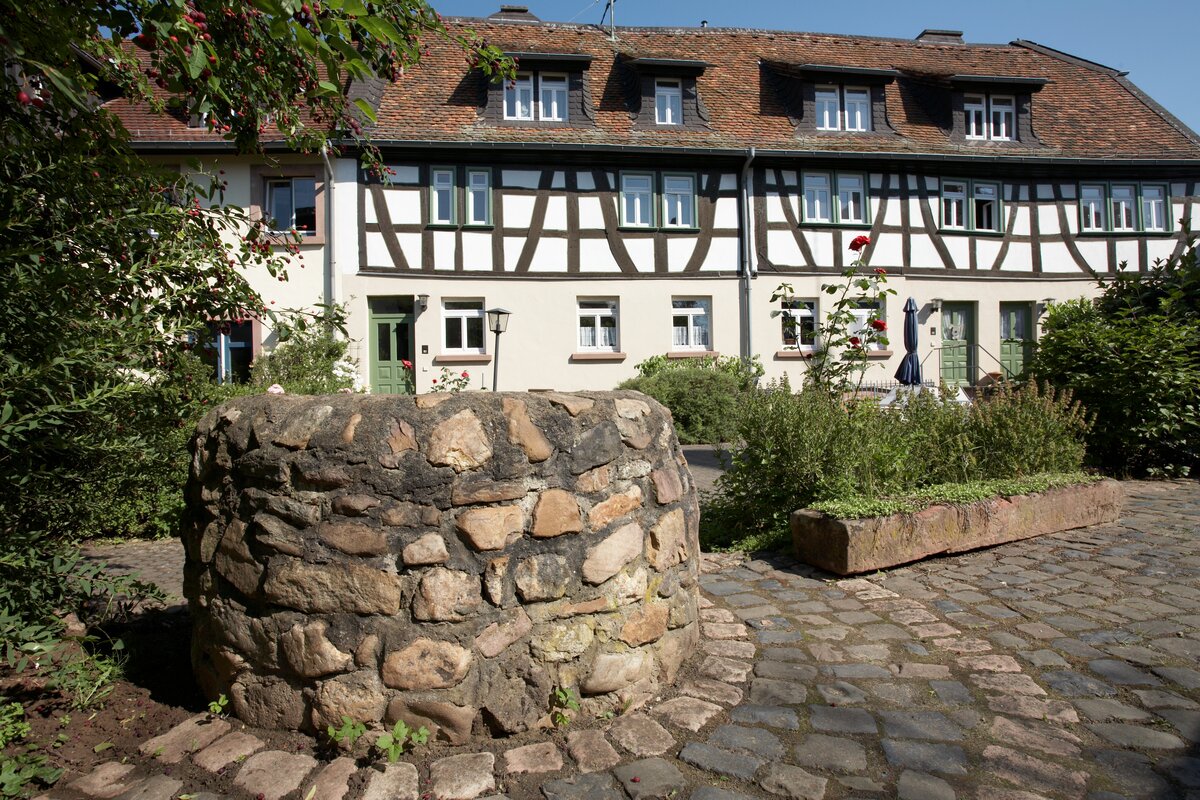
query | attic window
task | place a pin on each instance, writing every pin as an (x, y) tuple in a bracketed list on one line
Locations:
[(548, 90), (994, 108), (666, 93), (836, 98)]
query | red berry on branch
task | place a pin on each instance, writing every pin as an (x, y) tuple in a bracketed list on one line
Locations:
[(23, 98)]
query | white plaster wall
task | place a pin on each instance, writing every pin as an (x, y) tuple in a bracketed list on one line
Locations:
[(679, 250), (550, 256), (477, 251), (556, 213), (722, 254), (536, 350), (590, 214)]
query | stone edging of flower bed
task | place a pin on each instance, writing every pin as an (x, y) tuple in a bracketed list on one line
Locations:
[(851, 546)]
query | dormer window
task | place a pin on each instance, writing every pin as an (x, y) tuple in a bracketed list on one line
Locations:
[(552, 98), (549, 90), (843, 108), (991, 117), (668, 102), (831, 97), (662, 93), (995, 108)]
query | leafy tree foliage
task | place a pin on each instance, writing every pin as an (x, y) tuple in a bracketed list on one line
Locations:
[(110, 264), (1132, 359)]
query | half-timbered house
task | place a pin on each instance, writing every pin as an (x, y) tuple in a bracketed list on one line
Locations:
[(643, 191)]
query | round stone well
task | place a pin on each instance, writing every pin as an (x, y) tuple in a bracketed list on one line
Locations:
[(448, 559)]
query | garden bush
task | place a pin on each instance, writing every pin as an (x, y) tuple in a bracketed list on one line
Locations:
[(1139, 374), (794, 450), (702, 400)]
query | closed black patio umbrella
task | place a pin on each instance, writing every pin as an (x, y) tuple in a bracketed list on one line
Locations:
[(910, 368)]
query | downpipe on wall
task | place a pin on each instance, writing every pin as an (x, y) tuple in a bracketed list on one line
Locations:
[(746, 268)]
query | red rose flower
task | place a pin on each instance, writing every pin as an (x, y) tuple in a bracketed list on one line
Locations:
[(859, 242), (879, 325), (855, 341), (466, 374), (406, 364), (880, 271)]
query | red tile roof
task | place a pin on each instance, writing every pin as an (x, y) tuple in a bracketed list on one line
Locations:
[(1084, 111)]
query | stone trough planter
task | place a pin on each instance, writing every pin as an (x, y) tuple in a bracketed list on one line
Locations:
[(449, 560), (851, 546)]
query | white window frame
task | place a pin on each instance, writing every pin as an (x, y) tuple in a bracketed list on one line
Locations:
[(857, 184), (560, 85), (436, 187), (636, 200), (523, 83), (861, 105), (684, 197), (828, 102), (862, 316), (1123, 210), (954, 199), (699, 308), (479, 185), (1154, 221), (975, 116), (288, 225), (799, 309), (596, 310), (817, 189), (1093, 208), (668, 101), (462, 315), (996, 188), (1002, 118)]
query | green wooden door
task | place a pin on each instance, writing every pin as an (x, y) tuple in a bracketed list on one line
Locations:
[(958, 343), (391, 345), (1016, 337)]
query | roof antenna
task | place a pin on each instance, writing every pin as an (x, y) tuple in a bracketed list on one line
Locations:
[(610, 10)]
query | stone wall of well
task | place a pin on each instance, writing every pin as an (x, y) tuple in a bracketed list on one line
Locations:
[(445, 559)]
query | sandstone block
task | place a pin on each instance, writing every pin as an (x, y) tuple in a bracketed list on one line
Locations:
[(485, 491), (573, 404), (277, 535), (194, 733), (273, 773), (401, 439), (459, 442), (358, 695), (647, 624), (309, 654), (600, 445), (229, 748), (562, 642), (608, 557), (354, 505), (445, 721), (463, 777), (394, 782), (331, 588), (432, 400), (556, 513), (668, 540), (429, 549), (594, 480), (522, 431), (616, 506), (351, 428), (409, 515), (491, 528), (267, 702), (426, 664), (333, 781), (533, 758), (446, 595), (299, 428), (353, 538), (495, 580), (542, 577), (496, 637), (591, 751), (667, 486), (612, 672)]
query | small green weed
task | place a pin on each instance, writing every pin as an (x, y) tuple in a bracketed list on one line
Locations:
[(217, 707), (393, 742), (350, 732), (564, 700)]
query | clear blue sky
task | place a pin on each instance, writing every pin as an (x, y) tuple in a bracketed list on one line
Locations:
[(1154, 41)]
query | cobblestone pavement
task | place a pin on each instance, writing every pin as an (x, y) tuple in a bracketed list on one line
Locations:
[(1061, 667)]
